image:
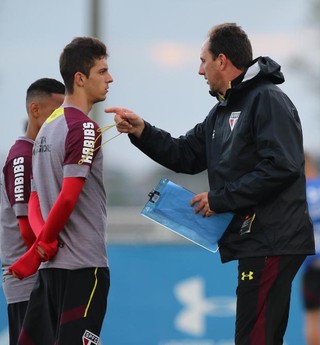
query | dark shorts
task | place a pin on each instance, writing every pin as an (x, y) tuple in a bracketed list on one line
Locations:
[(66, 307), (263, 298), (16, 313), (311, 288)]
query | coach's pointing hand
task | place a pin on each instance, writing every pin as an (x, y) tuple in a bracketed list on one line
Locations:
[(127, 121)]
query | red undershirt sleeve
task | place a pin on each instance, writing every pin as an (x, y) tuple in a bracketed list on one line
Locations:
[(47, 240), (26, 231), (62, 208), (34, 213)]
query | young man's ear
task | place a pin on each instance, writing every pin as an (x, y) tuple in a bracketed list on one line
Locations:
[(34, 109), (79, 78)]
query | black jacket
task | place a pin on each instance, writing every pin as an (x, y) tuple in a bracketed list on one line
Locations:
[(251, 144)]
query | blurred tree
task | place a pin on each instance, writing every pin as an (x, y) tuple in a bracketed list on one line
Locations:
[(315, 12), (301, 65)]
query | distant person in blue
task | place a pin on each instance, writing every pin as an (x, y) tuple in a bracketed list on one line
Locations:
[(311, 266), (251, 145)]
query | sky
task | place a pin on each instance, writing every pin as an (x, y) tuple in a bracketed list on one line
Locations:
[(154, 51)]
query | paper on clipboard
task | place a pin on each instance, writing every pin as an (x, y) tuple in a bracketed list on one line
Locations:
[(169, 206)]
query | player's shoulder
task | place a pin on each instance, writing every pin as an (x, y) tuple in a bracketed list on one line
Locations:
[(22, 147), (75, 118)]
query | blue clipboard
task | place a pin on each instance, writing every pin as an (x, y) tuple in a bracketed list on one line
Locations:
[(169, 206)]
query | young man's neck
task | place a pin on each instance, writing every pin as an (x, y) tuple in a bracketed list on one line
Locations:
[(78, 102)]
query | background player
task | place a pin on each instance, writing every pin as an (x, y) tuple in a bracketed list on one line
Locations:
[(43, 97), (311, 266)]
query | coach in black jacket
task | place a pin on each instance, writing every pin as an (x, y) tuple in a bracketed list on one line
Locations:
[(251, 145)]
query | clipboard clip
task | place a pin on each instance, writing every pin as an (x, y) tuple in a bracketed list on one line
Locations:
[(154, 196)]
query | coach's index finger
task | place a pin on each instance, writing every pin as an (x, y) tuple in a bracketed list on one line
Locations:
[(116, 110)]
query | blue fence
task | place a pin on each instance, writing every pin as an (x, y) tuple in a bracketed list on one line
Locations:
[(172, 295)]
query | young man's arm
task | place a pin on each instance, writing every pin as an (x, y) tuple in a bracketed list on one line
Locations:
[(34, 213), (26, 231), (46, 244)]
